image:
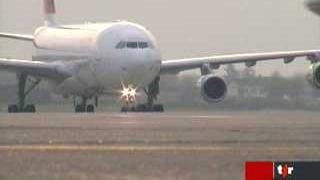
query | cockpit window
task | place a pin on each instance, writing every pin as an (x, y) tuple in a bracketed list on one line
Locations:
[(121, 45), (132, 45), (143, 45)]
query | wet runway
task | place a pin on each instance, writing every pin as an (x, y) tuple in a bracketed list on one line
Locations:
[(172, 145)]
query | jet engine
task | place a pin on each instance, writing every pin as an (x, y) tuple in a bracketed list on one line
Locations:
[(313, 5), (213, 88), (314, 75)]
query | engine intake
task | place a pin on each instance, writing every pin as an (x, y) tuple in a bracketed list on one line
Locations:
[(313, 5), (213, 88), (314, 75)]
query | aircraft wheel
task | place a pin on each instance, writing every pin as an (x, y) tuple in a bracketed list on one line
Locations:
[(124, 109), (90, 108), (80, 109), (141, 108), (158, 108), (30, 108), (13, 108)]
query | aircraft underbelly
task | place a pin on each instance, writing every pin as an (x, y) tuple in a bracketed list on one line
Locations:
[(84, 81), (103, 77), (95, 77)]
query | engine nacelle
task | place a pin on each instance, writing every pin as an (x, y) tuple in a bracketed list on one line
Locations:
[(213, 88), (313, 5), (314, 75)]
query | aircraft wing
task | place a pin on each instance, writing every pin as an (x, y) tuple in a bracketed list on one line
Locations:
[(178, 65), (34, 68), (23, 37)]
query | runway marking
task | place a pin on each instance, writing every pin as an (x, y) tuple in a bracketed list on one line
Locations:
[(168, 116), (147, 148), (127, 122), (193, 117), (211, 117)]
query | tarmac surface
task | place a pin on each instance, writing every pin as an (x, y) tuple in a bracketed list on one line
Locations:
[(172, 145)]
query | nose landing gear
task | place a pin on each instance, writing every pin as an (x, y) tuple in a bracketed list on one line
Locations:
[(128, 96), (152, 92)]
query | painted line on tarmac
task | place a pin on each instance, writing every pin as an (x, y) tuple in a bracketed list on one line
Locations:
[(106, 148), (192, 117), (212, 117), (61, 148), (157, 116)]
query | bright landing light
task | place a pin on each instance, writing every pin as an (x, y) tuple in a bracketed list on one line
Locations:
[(128, 94)]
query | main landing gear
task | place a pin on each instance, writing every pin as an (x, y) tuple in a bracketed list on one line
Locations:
[(152, 92), (81, 106), (23, 91)]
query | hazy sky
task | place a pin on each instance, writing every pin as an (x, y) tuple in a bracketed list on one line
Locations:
[(183, 28)]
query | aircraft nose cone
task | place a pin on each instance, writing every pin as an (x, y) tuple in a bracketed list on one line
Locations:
[(141, 71)]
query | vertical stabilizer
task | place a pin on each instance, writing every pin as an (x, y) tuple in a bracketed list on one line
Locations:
[(49, 12)]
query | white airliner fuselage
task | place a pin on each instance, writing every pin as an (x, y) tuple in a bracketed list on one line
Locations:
[(101, 57)]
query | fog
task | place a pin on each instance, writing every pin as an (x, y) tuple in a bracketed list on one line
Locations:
[(183, 28)]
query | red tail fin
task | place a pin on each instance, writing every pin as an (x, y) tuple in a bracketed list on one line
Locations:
[(49, 10), (49, 7)]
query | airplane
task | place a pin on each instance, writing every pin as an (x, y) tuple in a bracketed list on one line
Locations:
[(118, 58)]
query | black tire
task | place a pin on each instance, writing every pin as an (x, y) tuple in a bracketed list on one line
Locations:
[(80, 109), (90, 108), (133, 109), (124, 109), (141, 108), (10, 109), (158, 108), (26, 109), (30, 108), (13, 108)]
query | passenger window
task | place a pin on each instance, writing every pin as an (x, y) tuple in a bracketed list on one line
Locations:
[(132, 45), (121, 45), (143, 45)]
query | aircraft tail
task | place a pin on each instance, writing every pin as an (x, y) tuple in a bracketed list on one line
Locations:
[(49, 12)]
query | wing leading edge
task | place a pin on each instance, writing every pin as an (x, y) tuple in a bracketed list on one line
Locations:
[(35, 68), (23, 37), (178, 65)]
